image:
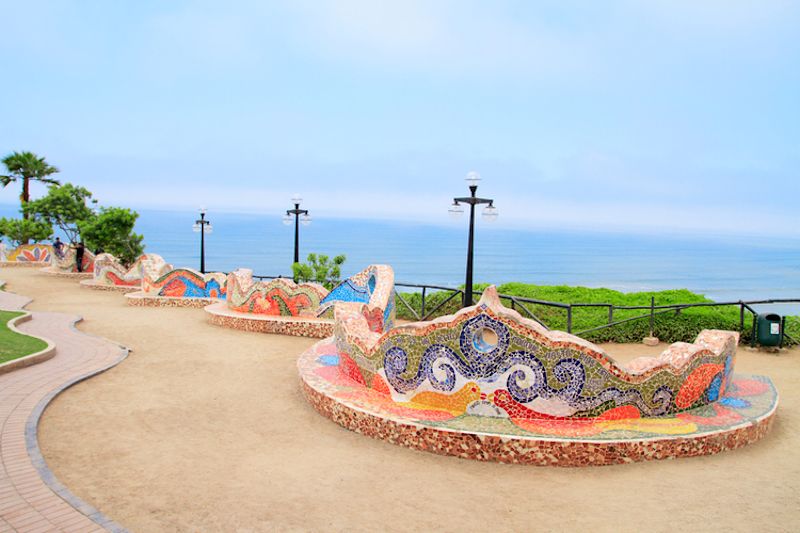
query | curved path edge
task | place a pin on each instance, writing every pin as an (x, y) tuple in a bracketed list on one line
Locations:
[(35, 454), (31, 359), (26, 505)]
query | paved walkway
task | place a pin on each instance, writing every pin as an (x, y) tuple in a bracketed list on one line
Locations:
[(31, 498), (10, 301)]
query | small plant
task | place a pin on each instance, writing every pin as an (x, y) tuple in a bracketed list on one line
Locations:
[(321, 269)]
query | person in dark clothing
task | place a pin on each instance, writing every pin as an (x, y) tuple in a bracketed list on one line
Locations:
[(80, 248), (58, 246), (99, 250)]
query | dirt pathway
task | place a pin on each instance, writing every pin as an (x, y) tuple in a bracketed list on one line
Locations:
[(203, 428)]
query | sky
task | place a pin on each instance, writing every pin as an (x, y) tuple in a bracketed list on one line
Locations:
[(622, 115)]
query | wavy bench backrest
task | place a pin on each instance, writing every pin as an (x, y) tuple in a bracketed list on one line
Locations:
[(68, 261), (526, 370), (30, 253), (108, 270), (184, 283), (277, 297), (374, 288)]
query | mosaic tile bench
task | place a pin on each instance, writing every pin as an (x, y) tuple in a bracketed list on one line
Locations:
[(179, 287), (278, 306), (305, 309), (372, 291), (26, 255), (488, 384), (66, 265), (110, 274)]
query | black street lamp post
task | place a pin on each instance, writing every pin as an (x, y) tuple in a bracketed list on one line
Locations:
[(202, 226), (489, 214), (300, 216)]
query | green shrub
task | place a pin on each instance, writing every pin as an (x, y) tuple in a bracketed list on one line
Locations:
[(672, 326), (22, 230), (321, 269)]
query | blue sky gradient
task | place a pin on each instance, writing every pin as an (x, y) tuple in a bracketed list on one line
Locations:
[(620, 115)]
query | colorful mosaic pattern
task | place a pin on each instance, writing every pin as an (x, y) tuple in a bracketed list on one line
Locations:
[(489, 359), (30, 253), (184, 283), (472, 425), (278, 297), (67, 263), (373, 287), (108, 271)]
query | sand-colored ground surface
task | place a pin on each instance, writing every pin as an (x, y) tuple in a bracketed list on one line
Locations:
[(203, 428)]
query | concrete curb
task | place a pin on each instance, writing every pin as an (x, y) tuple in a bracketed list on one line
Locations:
[(35, 454), (30, 359)]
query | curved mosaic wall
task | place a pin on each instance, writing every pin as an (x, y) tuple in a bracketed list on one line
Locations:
[(488, 360), (278, 297), (108, 271), (183, 283), (67, 262), (28, 253), (373, 287)]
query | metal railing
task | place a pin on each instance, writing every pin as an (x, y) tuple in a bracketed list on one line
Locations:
[(515, 302), (522, 305), (519, 303)]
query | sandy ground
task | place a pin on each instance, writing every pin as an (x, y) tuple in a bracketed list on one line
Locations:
[(204, 428)]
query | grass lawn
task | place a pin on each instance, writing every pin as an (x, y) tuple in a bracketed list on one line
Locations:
[(14, 345)]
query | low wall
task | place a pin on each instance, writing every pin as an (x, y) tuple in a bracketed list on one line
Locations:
[(373, 287), (110, 272), (278, 297), (525, 371), (28, 255), (184, 283)]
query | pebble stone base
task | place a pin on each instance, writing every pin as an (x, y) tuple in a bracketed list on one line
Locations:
[(317, 328), (90, 284), (359, 417), (25, 264), (139, 299), (50, 271)]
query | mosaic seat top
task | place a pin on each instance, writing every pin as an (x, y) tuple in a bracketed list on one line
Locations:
[(277, 297), (371, 292), (498, 361)]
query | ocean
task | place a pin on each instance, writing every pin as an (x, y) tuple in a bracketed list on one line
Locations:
[(720, 267)]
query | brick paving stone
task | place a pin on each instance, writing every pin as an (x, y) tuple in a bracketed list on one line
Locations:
[(31, 498)]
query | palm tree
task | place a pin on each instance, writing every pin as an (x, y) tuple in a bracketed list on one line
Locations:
[(27, 166)]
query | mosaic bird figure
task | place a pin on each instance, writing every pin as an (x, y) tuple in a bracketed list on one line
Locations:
[(455, 404)]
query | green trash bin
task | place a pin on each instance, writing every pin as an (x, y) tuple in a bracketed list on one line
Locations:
[(768, 330)]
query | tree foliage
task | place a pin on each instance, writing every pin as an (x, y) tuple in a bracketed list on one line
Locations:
[(64, 207), (22, 230), (320, 268), (112, 230), (26, 167)]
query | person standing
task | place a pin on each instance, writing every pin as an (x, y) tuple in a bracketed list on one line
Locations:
[(80, 248)]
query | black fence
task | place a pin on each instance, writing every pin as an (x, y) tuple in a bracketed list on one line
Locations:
[(521, 304), (449, 295)]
